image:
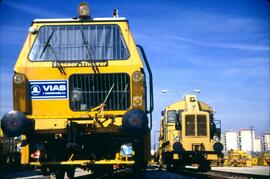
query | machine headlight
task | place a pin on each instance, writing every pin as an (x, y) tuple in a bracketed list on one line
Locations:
[(216, 139), (20, 93), (76, 95), (19, 78), (176, 139), (137, 76)]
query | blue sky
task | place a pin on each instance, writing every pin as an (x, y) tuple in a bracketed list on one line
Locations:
[(219, 47)]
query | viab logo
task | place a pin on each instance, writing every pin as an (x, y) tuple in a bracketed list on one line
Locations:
[(35, 90), (54, 89)]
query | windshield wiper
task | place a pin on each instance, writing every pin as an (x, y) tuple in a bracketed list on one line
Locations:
[(108, 95), (60, 67), (122, 96), (102, 105), (88, 53), (47, 44), (53, 52)]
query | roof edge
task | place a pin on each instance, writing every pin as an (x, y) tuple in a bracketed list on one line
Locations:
[(80, 20)]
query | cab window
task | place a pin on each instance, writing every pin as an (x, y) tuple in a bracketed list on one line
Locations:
[(171, 116), (201, 125), (77, 42), (190, 125), (180, 115)]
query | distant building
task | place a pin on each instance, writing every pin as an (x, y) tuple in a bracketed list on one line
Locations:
[(230, 140), (266, 141), (223, 140), (246, 137), (257, 145), (245, 140)]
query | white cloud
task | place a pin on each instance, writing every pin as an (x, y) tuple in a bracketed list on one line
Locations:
[(225, 45), (32, 10)]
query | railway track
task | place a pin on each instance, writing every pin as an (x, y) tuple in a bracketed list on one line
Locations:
[(153, 171), (220, 174)]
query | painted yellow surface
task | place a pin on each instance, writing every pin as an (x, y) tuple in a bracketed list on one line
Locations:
[(25, 155), (1, 134), (212, 157), (175, 156), (190, 108), (86, 162), (52, 116), (49, 109)]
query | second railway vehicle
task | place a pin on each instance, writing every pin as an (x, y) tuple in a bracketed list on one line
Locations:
[(189, 135), (80, 93)]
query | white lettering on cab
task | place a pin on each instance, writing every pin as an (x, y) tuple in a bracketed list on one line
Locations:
[(54, 87)]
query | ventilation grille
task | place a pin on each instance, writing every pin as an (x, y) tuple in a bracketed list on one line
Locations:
[(88, 91)]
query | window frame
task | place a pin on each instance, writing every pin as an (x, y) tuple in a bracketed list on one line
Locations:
[(168, 115), (196, 125), (71, 61)]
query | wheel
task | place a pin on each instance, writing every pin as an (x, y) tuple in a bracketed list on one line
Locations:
[(180, 167), (104, 170), (204, 166), (139, 157), (71, 172), (45, 171), (160, 167), (169, 167), (59, 174)]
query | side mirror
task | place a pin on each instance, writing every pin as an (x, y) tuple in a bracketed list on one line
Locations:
[(178, 126), (162, 113)]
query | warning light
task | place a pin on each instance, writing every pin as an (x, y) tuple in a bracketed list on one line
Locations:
[(36, 154), (84, 10)]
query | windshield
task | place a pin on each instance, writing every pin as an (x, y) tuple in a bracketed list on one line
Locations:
[(77, 42), (171, 116)]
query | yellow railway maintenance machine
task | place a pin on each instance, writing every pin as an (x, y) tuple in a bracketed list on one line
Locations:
[(189, 135), (80, 96)]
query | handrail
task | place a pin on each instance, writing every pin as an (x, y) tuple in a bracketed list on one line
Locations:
[(151, 108)]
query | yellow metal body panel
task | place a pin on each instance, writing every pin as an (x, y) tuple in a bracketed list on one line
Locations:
[(42, 70), (1, 134), (212, 157), (54, 115), (86, 162), (25, 155), (50, 124)]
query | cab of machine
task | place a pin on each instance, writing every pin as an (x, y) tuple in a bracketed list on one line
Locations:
[(58, 51), (76, 68)]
